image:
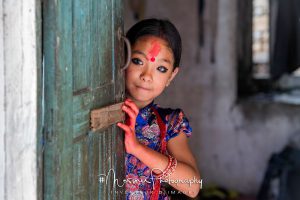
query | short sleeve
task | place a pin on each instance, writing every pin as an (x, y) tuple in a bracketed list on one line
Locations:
[(177, 123)]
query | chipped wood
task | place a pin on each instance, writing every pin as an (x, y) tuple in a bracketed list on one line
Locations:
[(106, 116)]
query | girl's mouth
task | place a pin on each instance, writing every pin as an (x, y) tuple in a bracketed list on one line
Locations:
[(143, 88)]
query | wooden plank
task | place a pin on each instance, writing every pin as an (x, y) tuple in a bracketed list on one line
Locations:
[(81, 170), (64, 95), (58, 109), (104, 117), (49, 41), (40, 102), (82, 25), (94, 166), (118, 137), (102, 43), (106, 189)]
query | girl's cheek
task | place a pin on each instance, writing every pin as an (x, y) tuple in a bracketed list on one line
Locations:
[(129, 71), (129, 77)]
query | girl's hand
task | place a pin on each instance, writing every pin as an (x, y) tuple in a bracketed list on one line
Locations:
[(131, 143)]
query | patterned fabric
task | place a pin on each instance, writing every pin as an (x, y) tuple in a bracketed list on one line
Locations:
[(139, 181)]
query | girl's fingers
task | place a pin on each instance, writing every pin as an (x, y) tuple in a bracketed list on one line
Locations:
[(132, 105), (124, 127), (129, 112)]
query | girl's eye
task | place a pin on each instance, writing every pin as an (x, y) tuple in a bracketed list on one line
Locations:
[(136, 61), (162, 69)]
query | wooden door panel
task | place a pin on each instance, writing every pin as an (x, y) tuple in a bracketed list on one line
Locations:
[(103, 51), (80, 170), (118, 137), (81, 106), (105, 154), (82, 44), (83, 54), (94, 145)]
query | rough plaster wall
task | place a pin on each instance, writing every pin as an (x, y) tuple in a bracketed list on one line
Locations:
[(2, 120), (18, 100), (232, 141)]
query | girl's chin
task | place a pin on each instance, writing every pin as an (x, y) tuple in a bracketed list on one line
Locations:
[(140, 102), (140, 98)]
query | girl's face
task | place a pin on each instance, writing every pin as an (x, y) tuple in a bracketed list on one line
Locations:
[(150, 70)]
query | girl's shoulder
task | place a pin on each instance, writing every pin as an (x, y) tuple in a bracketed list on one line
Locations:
[(168, 114), (166, 111), (175, 120)]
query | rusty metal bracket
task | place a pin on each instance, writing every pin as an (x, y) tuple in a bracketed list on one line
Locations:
[(106, 116), (128, 47)]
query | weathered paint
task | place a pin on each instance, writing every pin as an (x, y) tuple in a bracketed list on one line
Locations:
[(81, 36)]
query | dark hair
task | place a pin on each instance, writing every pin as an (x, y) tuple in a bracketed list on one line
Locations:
[(163, 29)]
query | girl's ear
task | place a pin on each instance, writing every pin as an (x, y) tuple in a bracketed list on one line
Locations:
[(175, 71)]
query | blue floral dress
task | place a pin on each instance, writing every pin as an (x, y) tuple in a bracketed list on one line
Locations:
[(139, 179)]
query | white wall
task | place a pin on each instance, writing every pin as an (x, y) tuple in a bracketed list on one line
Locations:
[(18, 99), (2, 119), (232, 142)]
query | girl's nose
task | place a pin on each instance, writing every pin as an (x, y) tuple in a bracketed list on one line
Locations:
[(146, 75)]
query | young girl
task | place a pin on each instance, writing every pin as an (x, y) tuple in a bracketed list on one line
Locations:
[(155, 137)]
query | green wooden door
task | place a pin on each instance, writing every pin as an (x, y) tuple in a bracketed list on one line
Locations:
[(82, 58)]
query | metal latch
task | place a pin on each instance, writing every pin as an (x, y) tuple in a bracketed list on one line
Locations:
[(106, 116)]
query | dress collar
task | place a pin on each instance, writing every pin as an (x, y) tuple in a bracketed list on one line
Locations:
[(147, 108), (145, 112)]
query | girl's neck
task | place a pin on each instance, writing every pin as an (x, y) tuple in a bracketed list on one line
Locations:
[(140, 104)]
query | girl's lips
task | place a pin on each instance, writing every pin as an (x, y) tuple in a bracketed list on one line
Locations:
[(143, 88)]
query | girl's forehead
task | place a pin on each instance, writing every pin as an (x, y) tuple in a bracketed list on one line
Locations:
[(154, 47), (148, 41)]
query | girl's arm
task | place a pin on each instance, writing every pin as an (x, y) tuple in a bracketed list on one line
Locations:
[(186, 176), (186, 169)]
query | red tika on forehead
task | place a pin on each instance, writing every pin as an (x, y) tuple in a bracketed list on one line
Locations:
[(153, 51)]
